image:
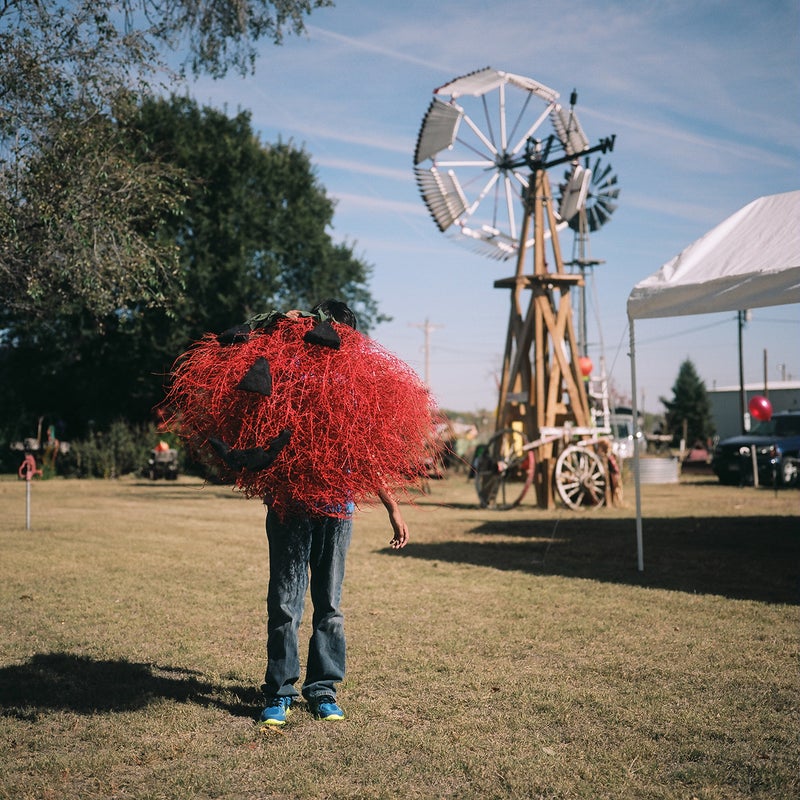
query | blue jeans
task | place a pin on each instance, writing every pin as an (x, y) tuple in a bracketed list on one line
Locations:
[(297, 545)]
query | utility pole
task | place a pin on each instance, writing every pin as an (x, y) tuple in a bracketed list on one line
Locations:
[(742, 317), (427, 330)]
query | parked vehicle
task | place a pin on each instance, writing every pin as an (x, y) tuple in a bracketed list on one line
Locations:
[(163, 463), (621, 421), (777, 446)]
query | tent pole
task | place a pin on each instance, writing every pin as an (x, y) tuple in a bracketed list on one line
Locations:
[(637, 438)]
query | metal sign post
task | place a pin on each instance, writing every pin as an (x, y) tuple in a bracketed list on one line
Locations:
[(27, 469)]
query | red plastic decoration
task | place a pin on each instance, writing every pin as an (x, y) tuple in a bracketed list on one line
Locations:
[(760, 408), (361, 419), (585, 365)]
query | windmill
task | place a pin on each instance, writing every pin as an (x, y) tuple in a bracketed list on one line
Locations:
[(481, 163)]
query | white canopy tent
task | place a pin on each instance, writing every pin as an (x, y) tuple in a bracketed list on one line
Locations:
[(750, 260)]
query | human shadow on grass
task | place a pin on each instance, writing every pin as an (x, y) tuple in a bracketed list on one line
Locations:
[(67, 682), (747, 558)]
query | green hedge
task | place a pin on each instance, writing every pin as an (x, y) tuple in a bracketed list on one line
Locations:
[(121, 450)]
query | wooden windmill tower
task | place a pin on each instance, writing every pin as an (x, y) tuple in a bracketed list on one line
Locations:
[(503, 204)]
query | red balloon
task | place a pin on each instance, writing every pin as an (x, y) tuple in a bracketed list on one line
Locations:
[(760, 408), (585, 365)]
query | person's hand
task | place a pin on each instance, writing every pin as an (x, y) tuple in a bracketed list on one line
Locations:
[(400, 538)]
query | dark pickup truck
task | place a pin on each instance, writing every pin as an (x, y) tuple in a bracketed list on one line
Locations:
[(777, 445)]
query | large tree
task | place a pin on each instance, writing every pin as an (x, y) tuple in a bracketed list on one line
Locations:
[(73, 200), (251, 235), (254, 232), (689, 411)]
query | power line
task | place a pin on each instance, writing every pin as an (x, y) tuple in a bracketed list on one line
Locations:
[(684, 332)]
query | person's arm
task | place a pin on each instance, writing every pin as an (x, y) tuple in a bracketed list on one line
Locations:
[(400, 538)]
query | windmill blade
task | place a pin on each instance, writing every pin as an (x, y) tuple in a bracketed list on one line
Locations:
[(599, 214), (603, 190), (494, 246), (606, 189), (574, 192), (484, 80), (442, 194), (438, 130), (597, 217), (476, 83), (606, 205), (568, 130), (601, 187), (613, 194), (600, 176)]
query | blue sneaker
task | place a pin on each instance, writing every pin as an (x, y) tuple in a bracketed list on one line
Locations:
[(276, 711), (325, 707)]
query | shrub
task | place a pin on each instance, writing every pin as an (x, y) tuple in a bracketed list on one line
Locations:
[(122, 449)]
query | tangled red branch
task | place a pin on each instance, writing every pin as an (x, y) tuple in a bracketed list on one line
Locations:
[(360, 418)]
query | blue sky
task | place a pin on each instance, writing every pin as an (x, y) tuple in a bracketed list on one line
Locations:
[(704, 99)]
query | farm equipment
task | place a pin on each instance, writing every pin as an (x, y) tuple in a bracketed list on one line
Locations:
[(163, 463)]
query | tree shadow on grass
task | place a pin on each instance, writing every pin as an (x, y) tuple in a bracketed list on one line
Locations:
[(169, 490), (747, 558), (66, 682)]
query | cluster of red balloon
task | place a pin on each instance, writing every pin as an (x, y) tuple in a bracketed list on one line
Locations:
[(760, 408)]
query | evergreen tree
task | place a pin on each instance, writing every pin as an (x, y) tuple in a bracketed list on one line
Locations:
[(690, 405)]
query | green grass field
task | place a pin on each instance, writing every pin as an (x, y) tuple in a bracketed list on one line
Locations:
[(515, 654)]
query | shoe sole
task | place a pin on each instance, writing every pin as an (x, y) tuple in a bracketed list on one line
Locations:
[(330, 717), (276, 723)]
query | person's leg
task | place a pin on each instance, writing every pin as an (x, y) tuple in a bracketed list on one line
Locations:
[(326, 651), (289, 551)]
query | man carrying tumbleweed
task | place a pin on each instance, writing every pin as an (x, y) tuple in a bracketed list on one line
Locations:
[(302, 410)]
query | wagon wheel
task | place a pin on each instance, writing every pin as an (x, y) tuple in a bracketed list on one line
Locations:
[(580, 477), (504, 470)]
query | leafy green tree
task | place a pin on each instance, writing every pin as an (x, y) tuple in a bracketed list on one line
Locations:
[(254, 231), (252, 235), (74, 224), (73, 199), (690, 405)]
